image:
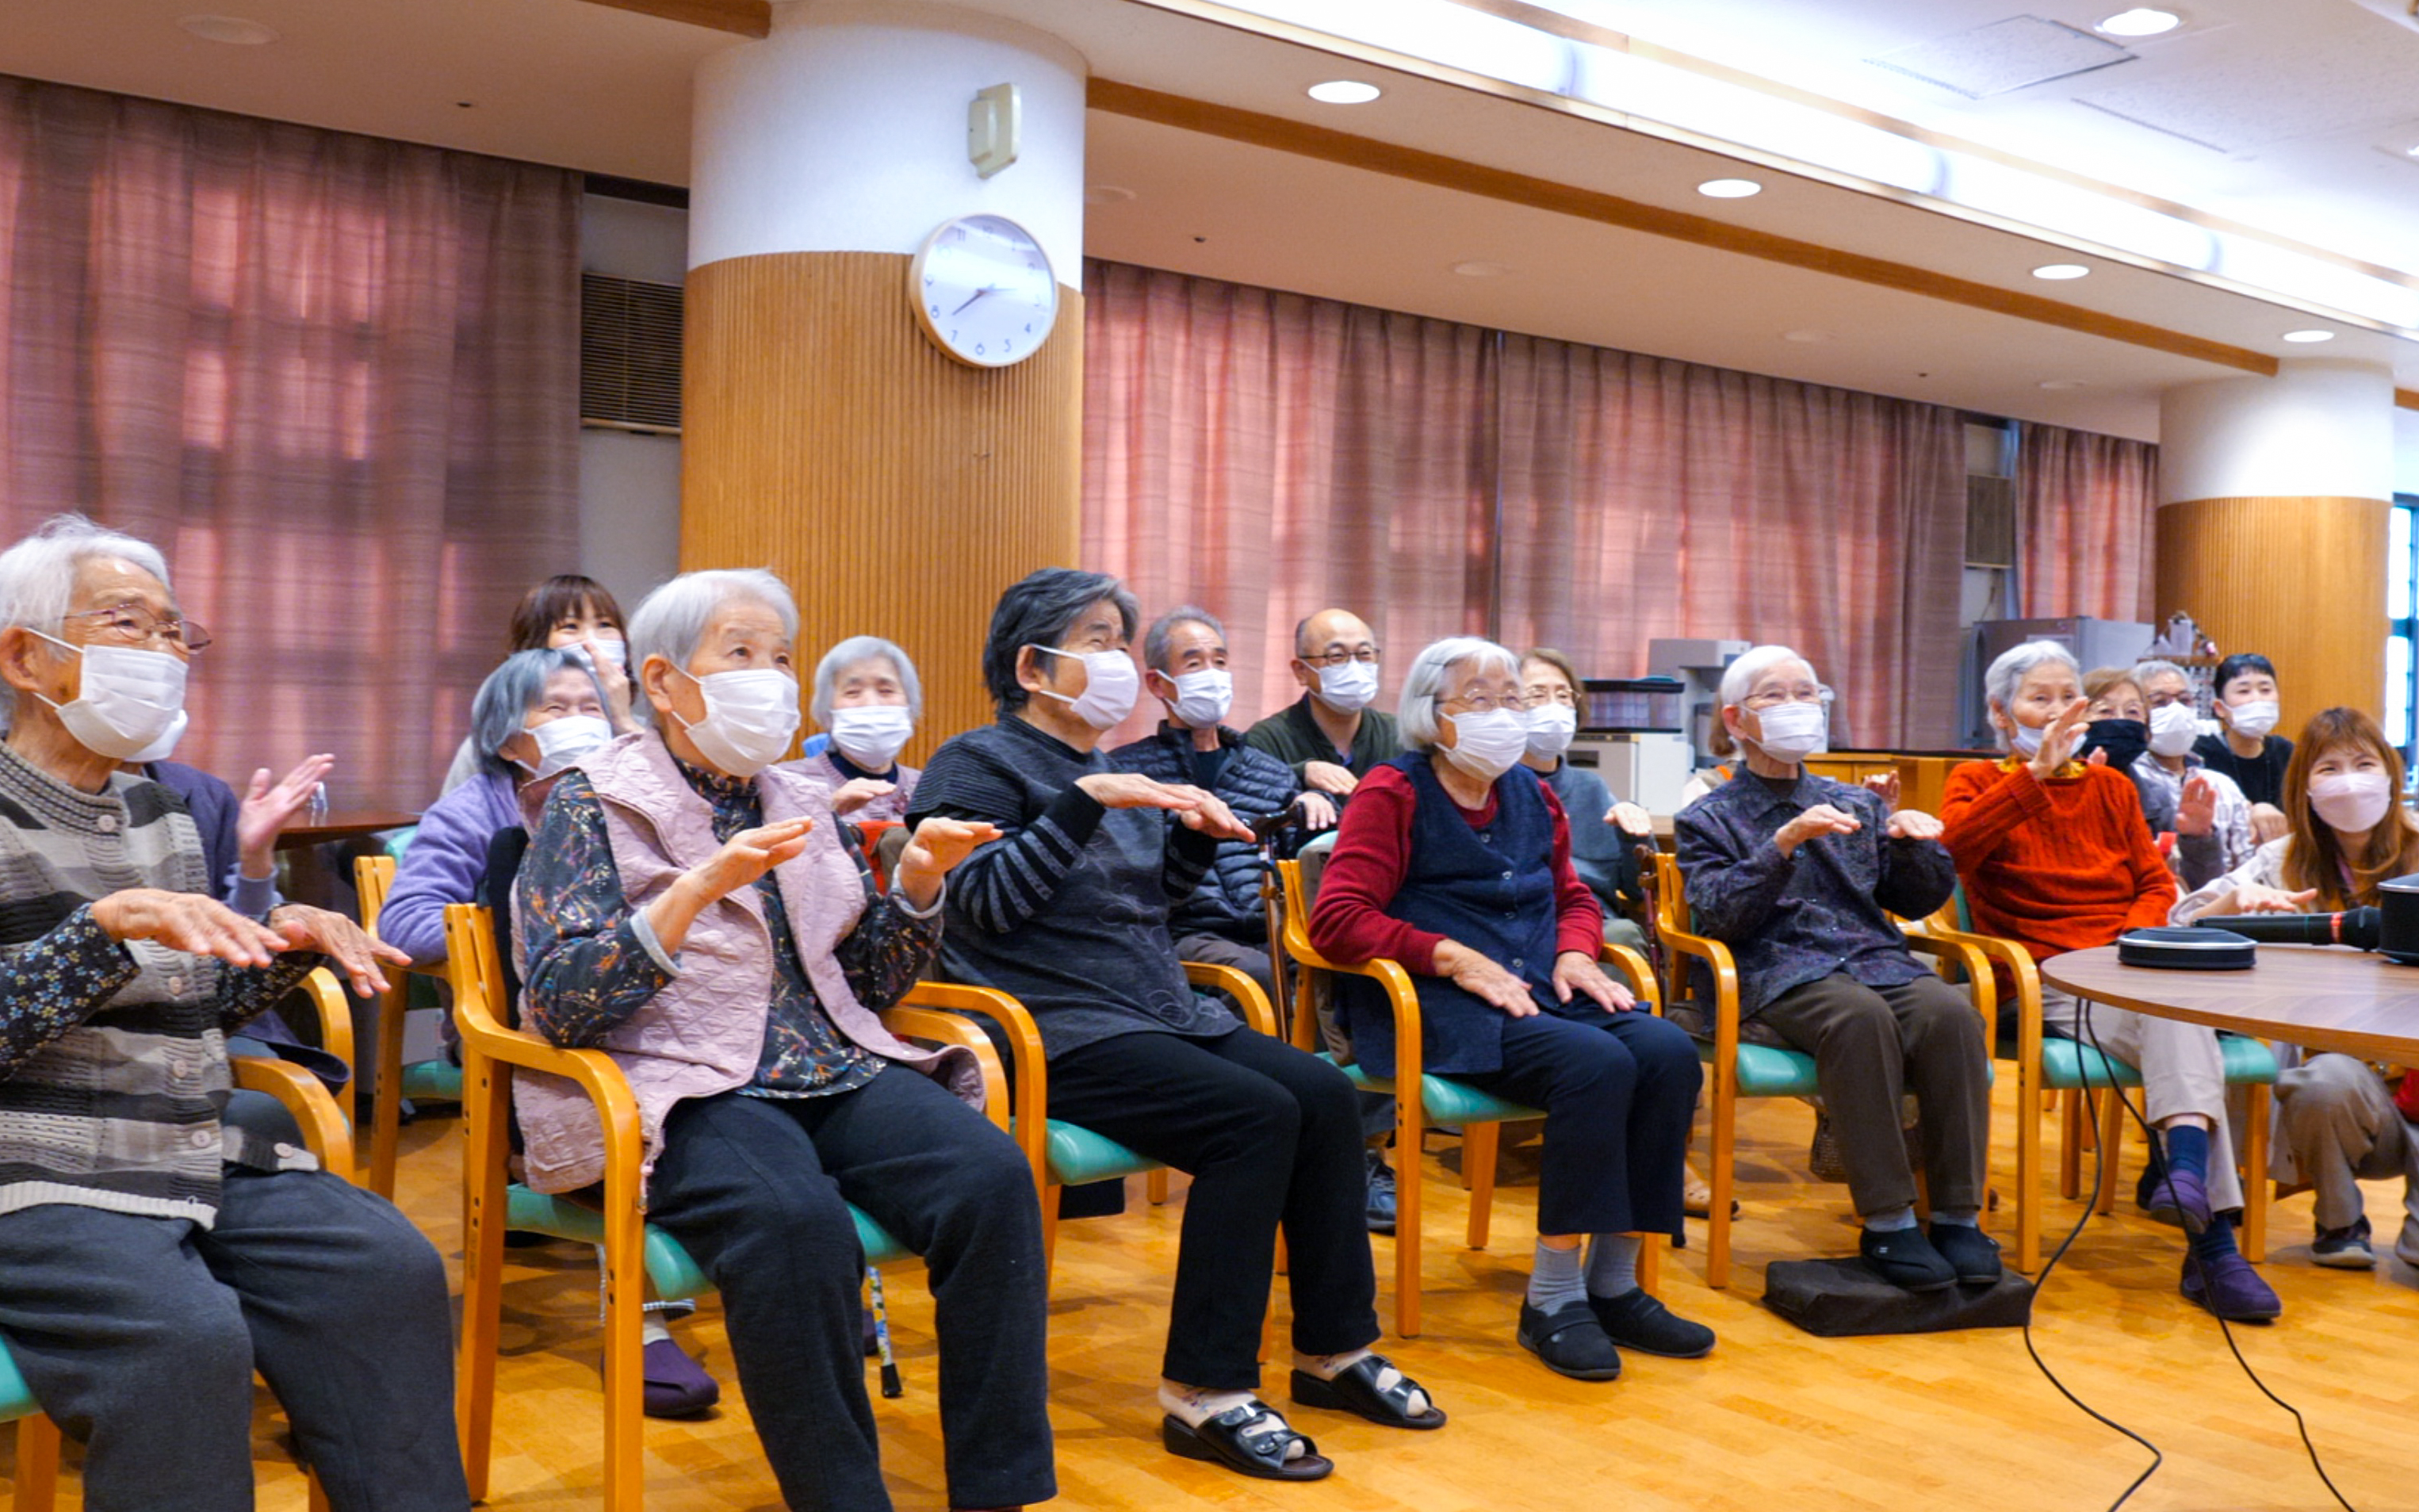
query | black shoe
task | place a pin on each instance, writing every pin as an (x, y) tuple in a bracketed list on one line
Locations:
[(1570, 1341), (1635, 1320), (1381, 1193), (1971, 1252), (1252, 1438), (1354, 1389), (1906, 1259)]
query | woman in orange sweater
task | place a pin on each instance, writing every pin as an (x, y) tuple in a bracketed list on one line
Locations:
[(2054, 854)]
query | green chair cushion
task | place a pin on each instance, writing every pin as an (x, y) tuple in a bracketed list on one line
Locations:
[(1766, 1071), (1443, 1100), (675, 1275), (15, 1400), (1078, 1156), (431, 1081), (2068, 1064)]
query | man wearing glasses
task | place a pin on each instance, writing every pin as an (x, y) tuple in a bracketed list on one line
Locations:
[(1330, 736), (1799, 875)]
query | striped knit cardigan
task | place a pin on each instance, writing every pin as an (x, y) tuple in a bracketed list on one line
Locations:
[(113, 1057)]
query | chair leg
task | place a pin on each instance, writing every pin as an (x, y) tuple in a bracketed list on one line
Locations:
[(2112, 1146), (37, 1464), (1154, 1185), (319, 1495), (2070, 1145), (2255, 1185), (625, 1300), (1479, 1143), (1050, 1231), (1409, 1123), (386, 1083), (1718, 1222), (482, 1262), (1650, 1264), (2030, 1111)]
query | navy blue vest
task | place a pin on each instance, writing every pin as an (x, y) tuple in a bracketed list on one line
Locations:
[(1490, 887)]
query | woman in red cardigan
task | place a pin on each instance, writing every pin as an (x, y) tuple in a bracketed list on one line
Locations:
[(2055, 854)]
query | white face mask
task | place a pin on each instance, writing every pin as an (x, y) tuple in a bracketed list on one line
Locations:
[(750, 719), (565, 742), (1111, 686), (127, 701), (166, 746), (2255, 718), (871, 735), (2023, 737), (2352, 800), (1349, 687), (1792, 732), (615, 647), (1550, 728), (1203, 698), (2174, 727), (1488, 745)]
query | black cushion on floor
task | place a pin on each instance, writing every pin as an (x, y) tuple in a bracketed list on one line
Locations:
[(1843, 1299)]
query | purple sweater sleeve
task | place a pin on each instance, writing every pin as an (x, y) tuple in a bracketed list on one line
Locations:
[(447, 861)]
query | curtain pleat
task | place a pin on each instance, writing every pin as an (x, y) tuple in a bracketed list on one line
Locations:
[(334, 380), (2085, 524)]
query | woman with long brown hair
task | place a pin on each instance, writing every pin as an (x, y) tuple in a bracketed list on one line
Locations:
[(2336, 1124)]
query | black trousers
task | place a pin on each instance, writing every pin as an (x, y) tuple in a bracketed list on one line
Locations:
[(139, 1336), (756, 1189), (1872, 1045), (1271, 1137), (1618, 1090)]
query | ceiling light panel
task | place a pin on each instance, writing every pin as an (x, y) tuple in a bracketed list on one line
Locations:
[(2003, 57), (1345, 92), (1729, 187)]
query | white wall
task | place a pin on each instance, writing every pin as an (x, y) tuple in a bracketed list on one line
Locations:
[(629, 483)]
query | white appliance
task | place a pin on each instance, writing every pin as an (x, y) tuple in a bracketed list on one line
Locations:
[(1697, 665), (1647, 767)]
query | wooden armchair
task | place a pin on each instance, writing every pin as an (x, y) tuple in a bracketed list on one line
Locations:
[(390, 1081), (1423, 1099), (1742, 1068), (634, 1251)]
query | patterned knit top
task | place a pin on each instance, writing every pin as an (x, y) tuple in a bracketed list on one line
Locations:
[(113, 1057)]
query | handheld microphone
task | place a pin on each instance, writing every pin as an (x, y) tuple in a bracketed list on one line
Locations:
[(2357, 927)]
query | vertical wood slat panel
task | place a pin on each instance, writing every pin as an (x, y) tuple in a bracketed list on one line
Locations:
[(896, 491), (2299, 580)]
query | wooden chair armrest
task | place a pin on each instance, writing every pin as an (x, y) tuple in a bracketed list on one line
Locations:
[(334, 1011), (1028, 1074), (1238, 984), (940, 1027), (1968, 959), (324, 1128), (1641, 975), (470, 970)]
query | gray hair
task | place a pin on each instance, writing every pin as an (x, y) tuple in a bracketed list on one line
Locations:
[(38, 577), (1416, 714), (1739, 678), (2149, 666), (855, 649), (673, 620), (499, 710), (2008, 674), (1154, 644)]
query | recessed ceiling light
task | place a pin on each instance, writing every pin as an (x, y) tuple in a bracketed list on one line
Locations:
[(1807, 338), (1345, 92), (1107, 195), (1728, 188), (1478, 269), (2142, 20), (2058, 384), (234, 30), (2411, 151), (2307, 336), (2057, 272)]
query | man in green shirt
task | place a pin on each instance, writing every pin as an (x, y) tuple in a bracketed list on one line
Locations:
[(1330, 736)]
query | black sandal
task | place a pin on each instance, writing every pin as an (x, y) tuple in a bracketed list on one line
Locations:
[(1354, 1389), (1260, 1453)]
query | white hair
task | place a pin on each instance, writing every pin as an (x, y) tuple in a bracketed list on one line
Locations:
[(861, 648), (673, 620), (38, 577), (2008, 674), (1430, 670), (1740, 677), (2151, 666)]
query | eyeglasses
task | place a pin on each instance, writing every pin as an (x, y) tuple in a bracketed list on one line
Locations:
[(1367, 657), (1777, 697), (1539, 698), (132, 624), (1483, 703)]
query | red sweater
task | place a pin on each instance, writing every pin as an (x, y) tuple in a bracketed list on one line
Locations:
[(2057, 866), (1373, 855)]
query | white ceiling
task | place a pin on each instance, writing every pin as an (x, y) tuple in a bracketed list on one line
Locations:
[(565, 82)]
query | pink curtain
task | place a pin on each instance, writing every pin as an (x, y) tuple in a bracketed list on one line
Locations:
[(1267, 455), (333, 378), (2086, 512)]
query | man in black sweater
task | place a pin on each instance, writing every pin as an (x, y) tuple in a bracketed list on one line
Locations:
[(1331, 736)]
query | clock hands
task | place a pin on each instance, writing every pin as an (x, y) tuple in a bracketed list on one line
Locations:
[(988, 288)]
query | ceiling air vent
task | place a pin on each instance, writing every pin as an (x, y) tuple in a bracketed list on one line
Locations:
[(1990, 522), (629, 354)]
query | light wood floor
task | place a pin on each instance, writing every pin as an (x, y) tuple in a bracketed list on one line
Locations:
[(1774, 1419)]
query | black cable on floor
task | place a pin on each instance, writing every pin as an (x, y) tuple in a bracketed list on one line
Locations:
[(2158, 1173)]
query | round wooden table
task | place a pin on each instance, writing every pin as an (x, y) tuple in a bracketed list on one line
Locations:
[(2320, 996)]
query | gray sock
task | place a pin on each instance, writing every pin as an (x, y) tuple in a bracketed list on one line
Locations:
[(1892, 1221), (1612, 1265), (1554, 1278), (1961, 1217)]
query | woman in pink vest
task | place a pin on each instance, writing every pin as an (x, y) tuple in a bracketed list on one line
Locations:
[(691, 909)]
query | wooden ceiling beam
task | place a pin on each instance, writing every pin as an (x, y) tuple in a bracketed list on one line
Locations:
[(742, 18)]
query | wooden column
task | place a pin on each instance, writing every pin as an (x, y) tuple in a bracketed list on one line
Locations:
[(2301, 580), (896, 491)]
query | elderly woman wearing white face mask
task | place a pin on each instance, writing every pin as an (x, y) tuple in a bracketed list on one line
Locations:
[(1455, 860), (867, 695), (691, 910), (2054, 855)]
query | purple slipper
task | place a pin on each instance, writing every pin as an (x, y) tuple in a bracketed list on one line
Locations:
[(2228, 1287), (2180, 1198), (676, 1385)]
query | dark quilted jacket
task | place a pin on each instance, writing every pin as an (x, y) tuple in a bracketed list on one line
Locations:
[(1253, 784)]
